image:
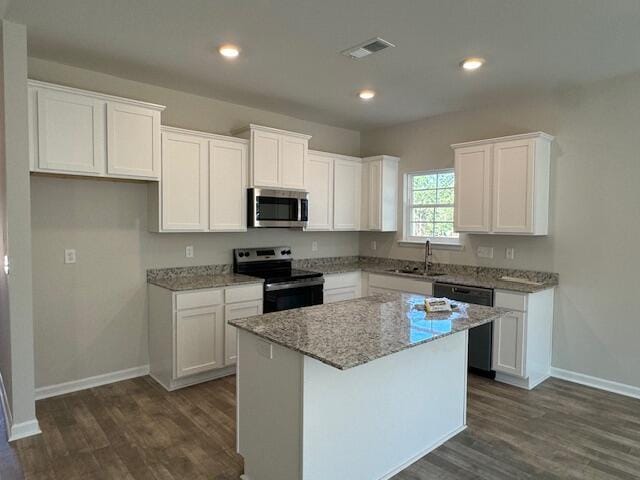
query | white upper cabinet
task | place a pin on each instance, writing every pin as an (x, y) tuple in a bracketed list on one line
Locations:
[(184, 182), (67, 132), (502, 185), (227, 185), (276, 157), (133, 141), (75, 132), (319, 184), (347, 191), (203, 185), (473, 189), (380, 193), (265, 159), (293, 153)]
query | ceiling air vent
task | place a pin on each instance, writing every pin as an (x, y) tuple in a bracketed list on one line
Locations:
[(367, 48)]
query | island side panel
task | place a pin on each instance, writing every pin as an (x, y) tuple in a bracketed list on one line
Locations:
[(371, 421), (269, 395)]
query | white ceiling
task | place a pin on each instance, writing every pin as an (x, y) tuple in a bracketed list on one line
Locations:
[(290, 59)]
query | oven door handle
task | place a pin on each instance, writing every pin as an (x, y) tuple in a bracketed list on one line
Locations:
[(311, 282)]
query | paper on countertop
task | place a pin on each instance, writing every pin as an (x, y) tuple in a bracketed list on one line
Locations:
[(433, 304)]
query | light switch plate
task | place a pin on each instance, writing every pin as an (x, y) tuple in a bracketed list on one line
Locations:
[(510, 253), (69, 255), (314, 246), (188, 252), (485, 252)]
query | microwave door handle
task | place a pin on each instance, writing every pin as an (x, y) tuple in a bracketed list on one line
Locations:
[(299, 209)]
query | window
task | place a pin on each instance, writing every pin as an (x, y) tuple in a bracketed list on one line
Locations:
[(429, 206)]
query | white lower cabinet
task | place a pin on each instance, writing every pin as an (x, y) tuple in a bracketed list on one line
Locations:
[(189, 338), (508, 345), (522, 338), (233, 312), (342, 286), (380, 283), (199, 340)]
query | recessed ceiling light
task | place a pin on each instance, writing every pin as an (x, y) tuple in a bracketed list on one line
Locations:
[(366, 94), (473, 63), (229, 51)]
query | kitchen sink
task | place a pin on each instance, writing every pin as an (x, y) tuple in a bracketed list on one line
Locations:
[(415, 272)]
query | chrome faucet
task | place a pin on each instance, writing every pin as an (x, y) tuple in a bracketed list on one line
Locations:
[(427, 257)]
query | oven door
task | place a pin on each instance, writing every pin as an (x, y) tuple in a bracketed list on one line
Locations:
[(277, 208), (278, 297)]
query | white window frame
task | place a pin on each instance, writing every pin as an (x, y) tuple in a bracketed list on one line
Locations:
[(407, 206)]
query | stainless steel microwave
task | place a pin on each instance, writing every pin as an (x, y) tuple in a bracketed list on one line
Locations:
[(271, 207)]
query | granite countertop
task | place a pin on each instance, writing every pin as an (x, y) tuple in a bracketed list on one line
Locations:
[(354, 332), (179, 283), (469, 279)]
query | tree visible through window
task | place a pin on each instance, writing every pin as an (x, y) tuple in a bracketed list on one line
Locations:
[(429, 206)]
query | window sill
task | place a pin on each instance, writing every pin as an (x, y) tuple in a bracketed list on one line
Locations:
[(435, 245)]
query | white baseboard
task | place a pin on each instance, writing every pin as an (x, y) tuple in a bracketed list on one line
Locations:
[(90, 382), (24, 429), (195, 379), (526, 383), (595, 382), (19, 430), (421, 454)]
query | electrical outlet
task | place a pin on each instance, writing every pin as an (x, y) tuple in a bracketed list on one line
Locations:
[(510, 253), (188, 252), (69, 255), (314, 246), (374, 245), (485, 252)]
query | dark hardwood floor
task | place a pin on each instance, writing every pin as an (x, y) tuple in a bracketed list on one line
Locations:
[(136, 430)]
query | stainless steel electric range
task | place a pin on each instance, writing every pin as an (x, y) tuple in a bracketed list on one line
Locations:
[(284, 287)]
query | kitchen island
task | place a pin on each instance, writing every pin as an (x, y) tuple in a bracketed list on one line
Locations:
[(351, 390)]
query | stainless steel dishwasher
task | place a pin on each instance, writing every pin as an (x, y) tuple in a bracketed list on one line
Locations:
[(480, 338)]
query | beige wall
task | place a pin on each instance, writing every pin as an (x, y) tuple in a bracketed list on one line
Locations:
[(16, 312), (595, 196), (90, 318)]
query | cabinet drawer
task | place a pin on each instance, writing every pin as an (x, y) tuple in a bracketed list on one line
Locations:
[(514, 301), (341, 280), (401, 284), (243, 294), (339, 294), (204, 298)]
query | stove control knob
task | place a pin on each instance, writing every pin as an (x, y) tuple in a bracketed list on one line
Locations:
[(246, 254), (241, 254), (283, 252), (288, 252)]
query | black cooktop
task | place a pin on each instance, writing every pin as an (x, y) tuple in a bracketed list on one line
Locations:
[(282, 276)]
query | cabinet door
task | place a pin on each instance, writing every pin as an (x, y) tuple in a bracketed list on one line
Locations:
[(375, 196), (473, 189), (346, 187), (339, 294), (70, 133), (227, 186), (184, 182), (265, 155), (199, 340), (508, 344), (133, 141), (513, 183), (319, 184), (232, 312), (293, 152)]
